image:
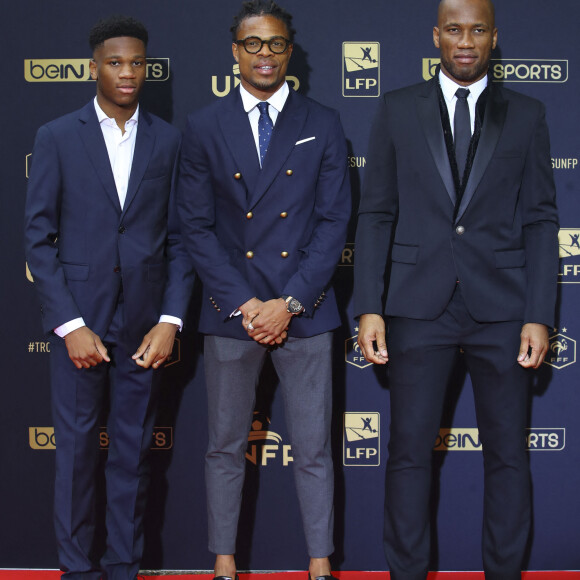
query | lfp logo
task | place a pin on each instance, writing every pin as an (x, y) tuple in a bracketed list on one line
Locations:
[(361, 69), (361, 439)]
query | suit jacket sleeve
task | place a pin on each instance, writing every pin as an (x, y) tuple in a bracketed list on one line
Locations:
[(332, 208), (41, 230), (540, 226), (376, 217), (180, 275)]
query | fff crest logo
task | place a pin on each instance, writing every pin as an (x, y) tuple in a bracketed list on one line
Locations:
[(569, 250), (361, 439), (352, 353), (562, 350), (361, 69)]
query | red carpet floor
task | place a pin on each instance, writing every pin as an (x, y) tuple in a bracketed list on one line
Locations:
[(55, 575)]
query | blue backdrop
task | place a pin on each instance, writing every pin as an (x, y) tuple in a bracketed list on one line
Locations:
[(46, 75)]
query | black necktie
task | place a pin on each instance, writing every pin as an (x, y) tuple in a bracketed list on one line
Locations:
[(461, 130), (265, 127)]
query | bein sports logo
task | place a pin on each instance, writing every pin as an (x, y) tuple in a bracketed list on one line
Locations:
[(43, 438), (361, 439), (515, 70), (562, 350), (361, 69), (66, 70), (352, 353), (265, 445), (467, 439)]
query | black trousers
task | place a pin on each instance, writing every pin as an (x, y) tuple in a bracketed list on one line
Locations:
[(422, 355)]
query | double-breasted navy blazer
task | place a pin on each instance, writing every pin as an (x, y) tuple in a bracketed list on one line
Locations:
[(501, 245), (81, 246), (271, 231)]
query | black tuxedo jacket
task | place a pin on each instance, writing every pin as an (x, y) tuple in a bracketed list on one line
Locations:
[(501, 245)]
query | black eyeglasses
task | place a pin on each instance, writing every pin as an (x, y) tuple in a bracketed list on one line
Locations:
[(253, 44)]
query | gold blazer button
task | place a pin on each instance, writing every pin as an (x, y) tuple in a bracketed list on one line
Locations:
[(289, 172), (237, 176), (249, 215), (284, 254), (249, 254), (284, 214)]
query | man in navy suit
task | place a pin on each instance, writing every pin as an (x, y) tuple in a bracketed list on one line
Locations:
[(103, 246), (458, 215), (265, 201)]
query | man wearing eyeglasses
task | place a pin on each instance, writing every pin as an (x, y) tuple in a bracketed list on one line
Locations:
[(265, 201)]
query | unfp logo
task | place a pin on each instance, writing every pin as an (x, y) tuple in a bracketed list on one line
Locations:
[(562, 351), (265, 445), (515, 71), (361, 69), (224, 87), (569, 244), (361, 439), (63, 70), (352, 353)]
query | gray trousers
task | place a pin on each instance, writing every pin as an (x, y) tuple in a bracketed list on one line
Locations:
[(232, 369)]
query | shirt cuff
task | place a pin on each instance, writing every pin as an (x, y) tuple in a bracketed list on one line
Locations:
[(68, 327), (172, 320)]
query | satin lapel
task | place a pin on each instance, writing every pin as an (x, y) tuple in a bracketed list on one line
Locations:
[(237, 133), (94, 142), (430, 115), (141, 156), (286, 132), (490, 132)]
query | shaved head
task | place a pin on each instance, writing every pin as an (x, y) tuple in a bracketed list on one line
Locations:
[(444, 3)]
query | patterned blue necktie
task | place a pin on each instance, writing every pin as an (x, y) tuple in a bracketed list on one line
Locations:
[(265, 127)]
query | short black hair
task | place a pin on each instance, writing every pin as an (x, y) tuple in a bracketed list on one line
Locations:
[(262, 8), (115, 26)]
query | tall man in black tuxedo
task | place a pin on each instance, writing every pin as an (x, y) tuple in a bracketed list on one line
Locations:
[(458, 214), (264, 199), (103, 245)]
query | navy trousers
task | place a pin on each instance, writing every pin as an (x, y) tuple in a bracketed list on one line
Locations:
[(422, 354), (78, 397)]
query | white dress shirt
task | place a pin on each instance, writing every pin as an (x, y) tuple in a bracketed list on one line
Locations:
[(120, 147), (449, 88)]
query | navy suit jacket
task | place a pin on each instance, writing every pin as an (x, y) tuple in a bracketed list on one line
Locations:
[(502, 245), (80, 244), (271, 231)]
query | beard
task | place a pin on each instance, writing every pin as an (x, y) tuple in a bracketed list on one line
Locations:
[(465, 74)]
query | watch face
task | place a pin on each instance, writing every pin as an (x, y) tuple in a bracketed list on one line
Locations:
[(294, 306)]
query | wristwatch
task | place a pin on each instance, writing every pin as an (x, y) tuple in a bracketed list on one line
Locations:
[(293, 306)]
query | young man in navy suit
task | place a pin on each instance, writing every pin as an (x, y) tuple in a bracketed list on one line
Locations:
[(103, 246), (265, 201), (459, 206)]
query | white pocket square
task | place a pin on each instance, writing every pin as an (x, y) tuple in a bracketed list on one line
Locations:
[(304, 140)]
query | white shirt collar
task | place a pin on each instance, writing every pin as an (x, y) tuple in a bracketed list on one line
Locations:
[(102, 116), (449, 87), (277, 100)]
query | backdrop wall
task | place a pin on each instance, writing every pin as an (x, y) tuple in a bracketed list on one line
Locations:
[(45, 75)]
